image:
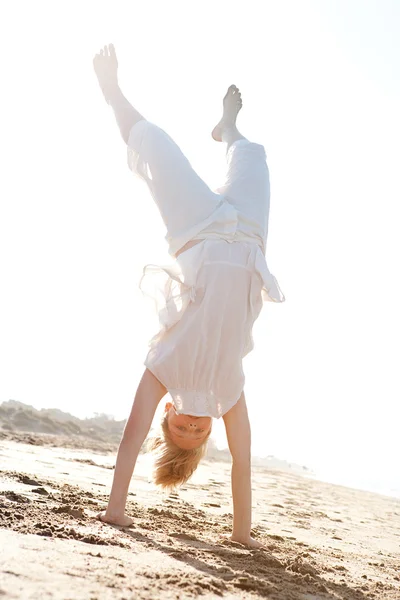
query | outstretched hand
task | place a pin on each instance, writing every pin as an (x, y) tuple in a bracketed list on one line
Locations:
[(248, 541), (106, 68)]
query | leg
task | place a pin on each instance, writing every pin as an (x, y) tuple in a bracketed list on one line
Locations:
[(247, 181), (147, 398), (230, 135), (183, 198), (247, 184), (106, 67)]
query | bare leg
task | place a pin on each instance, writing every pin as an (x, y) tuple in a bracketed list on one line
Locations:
[(106, 68), (226, 130), (148, 396)]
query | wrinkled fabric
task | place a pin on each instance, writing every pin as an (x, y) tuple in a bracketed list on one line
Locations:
[(208, 299), (207, 306)]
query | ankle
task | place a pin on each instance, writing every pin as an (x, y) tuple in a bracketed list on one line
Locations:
[(111, 91), (231, 135)]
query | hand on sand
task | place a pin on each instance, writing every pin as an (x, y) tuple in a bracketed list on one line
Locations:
[(122, 520), (252, 543), (106, 68), (249, 541)]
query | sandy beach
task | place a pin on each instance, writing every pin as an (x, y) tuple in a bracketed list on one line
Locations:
[(322, 541)]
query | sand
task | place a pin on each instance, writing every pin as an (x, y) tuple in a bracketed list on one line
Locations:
[(323, 541)]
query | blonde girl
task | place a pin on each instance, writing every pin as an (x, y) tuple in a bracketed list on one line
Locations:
[(208, 301)]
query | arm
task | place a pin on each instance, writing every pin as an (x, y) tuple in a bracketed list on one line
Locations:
[(106, 69), (148, 396), (238, 433)]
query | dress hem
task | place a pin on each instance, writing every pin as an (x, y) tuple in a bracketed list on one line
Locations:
[(175, 393)]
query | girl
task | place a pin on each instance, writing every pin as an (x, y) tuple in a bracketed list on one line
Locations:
[(207, 301)]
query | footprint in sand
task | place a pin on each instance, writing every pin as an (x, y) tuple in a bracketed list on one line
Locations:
[(41, 490), (77, 513), (27, 480), (14, 497), (183, 536)]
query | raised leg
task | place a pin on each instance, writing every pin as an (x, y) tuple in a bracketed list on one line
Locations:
[(247, 180), (183, 198), (106, 68), (147, 398)]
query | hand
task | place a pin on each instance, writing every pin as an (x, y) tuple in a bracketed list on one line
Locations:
[(106, 68), (121, 520), (247, 541), (250, 542)]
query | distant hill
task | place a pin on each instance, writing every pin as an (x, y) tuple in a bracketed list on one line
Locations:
[(19, 417), (101, 432)]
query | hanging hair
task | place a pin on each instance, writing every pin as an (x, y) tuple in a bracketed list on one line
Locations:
[(173, 466)]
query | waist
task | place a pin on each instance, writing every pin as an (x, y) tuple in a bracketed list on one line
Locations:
[(238, 239)]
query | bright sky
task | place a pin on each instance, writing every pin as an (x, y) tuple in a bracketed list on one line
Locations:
[(321, 90)]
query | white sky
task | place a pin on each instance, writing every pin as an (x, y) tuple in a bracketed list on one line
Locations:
[(321, 89)]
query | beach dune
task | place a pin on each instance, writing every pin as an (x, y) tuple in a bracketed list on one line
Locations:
[(322, 541)]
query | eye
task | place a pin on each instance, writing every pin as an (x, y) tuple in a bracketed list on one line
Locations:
[(181, 428), (201, 430)]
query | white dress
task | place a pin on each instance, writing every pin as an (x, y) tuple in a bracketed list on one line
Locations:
[(209, 298)]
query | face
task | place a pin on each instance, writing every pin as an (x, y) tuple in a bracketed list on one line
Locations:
[(187, 432)]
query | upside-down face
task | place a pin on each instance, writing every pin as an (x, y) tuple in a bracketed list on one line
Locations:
[(187, 432)]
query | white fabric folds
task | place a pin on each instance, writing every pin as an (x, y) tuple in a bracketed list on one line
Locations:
[(208, 299), (207, 303)]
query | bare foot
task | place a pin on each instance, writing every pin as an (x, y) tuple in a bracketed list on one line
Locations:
[(232, 104), (122, 520), (106, 68)]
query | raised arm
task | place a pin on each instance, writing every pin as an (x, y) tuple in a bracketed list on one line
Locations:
[(238, 433), (106, 68)]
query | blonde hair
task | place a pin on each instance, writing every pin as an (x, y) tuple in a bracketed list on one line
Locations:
[(173, 466)]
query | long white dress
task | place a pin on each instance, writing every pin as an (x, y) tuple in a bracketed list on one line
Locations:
[(209, 298)]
